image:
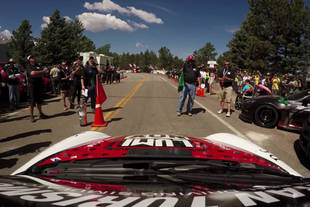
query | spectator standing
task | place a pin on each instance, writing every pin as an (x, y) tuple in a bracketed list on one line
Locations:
[(191, 77), (240, 81), (246, 77), (88, 81), (293, 84), (211, 80), (12, 82), (35, 87), (109, 73), (206, 82), (54, 74), (203, 75), (76, 80), (256, 78), (227, 77), (275, 85), (268, 82), (64, 77)]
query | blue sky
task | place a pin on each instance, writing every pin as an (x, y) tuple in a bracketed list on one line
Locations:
[(136, 25)]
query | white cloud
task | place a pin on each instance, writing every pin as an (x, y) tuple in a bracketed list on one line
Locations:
[(146, 16), (106, 5), (109, 6), (139, 45), (99, 22), (46, 21), (5, 34), (138, 25), (68, 19)]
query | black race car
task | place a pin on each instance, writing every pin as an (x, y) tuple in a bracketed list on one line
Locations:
[(271, 111), (304, 139), (154, 170)]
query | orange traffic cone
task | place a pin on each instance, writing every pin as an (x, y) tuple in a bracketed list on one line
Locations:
[(198, 92), (202, 92), (99, 121), (101, 97)]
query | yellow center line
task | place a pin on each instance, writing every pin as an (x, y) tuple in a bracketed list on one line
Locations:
[(110, 115)]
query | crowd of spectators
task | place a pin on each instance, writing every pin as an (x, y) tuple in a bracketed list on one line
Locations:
[(34, 81), (279, 84)]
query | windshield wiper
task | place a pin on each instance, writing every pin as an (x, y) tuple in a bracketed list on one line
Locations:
[(170, 167)]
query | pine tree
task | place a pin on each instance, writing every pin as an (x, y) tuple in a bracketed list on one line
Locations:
[(274, 37), (62, 41), (22, 43), (206, 53)]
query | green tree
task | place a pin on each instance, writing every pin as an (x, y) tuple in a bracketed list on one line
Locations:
[(206, 53), (61, 40), (104, 50), (22, 43), (274, 37), (165, 58), (80, 42)]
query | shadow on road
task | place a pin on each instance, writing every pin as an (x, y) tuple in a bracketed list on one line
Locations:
[(7, 163), (25, 134), (115, 119), (198, 110), (25, 149), (14, 119), (111, 109), (50, 101), (301, 156), (66, 113)]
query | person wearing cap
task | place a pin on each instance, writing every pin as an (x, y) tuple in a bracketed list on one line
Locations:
[(35, 87), (12, 82), (227, 78), (191, 77)]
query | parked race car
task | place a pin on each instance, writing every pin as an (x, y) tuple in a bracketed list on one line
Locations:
[(93, 169), (270, 111), (304, 139)]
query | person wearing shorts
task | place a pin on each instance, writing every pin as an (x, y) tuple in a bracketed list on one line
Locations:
[(35, 87), (227, 78)]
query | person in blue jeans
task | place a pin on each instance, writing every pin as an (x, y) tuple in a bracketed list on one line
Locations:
[(88, 81), (191, 77)]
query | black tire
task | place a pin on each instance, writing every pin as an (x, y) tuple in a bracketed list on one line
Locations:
[(266, 116), (238, 102)]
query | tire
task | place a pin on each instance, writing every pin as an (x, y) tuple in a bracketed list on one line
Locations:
[(238, 102), (266, 116)]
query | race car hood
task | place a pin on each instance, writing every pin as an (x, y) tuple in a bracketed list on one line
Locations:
[(267, 97), (32, 191), (96, 145)]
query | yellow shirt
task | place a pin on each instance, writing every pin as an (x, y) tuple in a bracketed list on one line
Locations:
[(256, 79), (275, 83)]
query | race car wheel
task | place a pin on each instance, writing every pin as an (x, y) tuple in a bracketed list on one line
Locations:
[(266, 116)]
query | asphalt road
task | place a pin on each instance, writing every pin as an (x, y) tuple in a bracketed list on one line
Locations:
[(140, 104)]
